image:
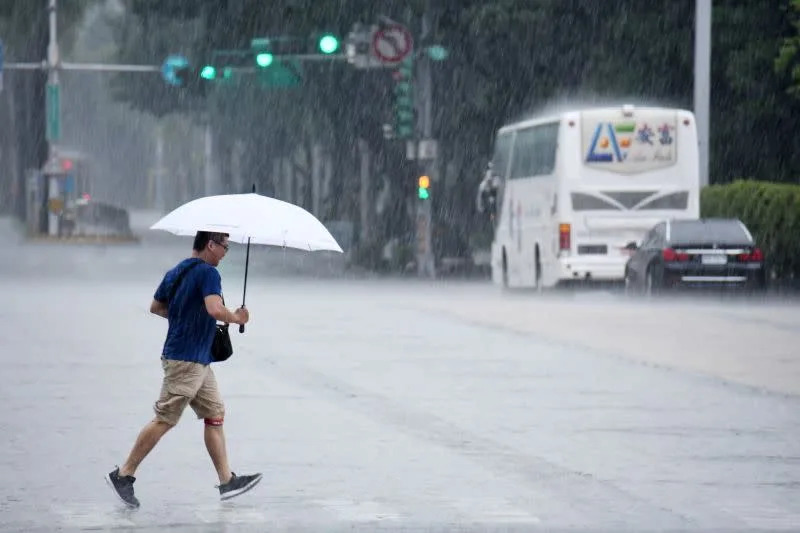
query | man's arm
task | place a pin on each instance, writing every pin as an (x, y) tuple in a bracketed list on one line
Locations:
[(217, 309), (158, 308)]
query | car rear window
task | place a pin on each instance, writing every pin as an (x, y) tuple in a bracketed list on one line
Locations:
[(708, 232)]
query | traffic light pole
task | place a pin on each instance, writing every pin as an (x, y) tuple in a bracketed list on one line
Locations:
[(426, 266)]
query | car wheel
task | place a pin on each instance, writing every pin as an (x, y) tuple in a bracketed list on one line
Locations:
[(650, 282)]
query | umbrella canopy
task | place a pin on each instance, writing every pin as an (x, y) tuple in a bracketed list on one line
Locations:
[(249, 218)]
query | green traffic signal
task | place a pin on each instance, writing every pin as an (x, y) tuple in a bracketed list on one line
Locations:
[(208, 72), (328, 44), (437, 52), (264, 59), (423, 194)]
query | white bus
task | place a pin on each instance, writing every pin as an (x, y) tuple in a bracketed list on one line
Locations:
[(575, 188)]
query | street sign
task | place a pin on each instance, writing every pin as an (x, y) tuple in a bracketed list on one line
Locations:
[(424, 149), (53, 113), (411, 150), (1, 66), (392, 44), (428, 149)]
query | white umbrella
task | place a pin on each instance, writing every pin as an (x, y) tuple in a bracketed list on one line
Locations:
[(250, 218)]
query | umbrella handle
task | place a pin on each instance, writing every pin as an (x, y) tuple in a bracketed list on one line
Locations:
[(241, 328)]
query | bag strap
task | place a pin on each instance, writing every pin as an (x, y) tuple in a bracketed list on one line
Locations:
[(179, 279)]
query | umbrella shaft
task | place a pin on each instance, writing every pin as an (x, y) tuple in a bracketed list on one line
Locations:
[(246, 264)]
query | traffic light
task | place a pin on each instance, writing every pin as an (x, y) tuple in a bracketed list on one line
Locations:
[(187, 76), (437, 52), (175, 70), (178, 72), (424, 188), (262, 51), (328, 43), (264, 59), (208, 72), (404, 100)]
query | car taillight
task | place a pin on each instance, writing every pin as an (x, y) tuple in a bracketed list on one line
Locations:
[(671, 255), (755, 256), (564, 237)]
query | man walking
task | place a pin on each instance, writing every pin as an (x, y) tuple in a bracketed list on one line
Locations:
[(190, 298)]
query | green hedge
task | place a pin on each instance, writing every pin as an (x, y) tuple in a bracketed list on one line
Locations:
[(772, 213)]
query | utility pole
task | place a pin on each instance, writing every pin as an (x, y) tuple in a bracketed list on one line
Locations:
[(702, 81), (53, 113), (365, 192), (426, 265), (52, 104)]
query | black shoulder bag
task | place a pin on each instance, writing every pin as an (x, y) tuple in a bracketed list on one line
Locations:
[(221, 347)]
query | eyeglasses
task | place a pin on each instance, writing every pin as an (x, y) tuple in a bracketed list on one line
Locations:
[(226, 246)]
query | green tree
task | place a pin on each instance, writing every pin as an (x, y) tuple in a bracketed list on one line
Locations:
[(788, 60), (753, 120)]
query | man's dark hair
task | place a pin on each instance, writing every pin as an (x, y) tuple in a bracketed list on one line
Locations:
[(202, 238)]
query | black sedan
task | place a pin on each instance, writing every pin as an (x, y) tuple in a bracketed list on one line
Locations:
[(695, 253)]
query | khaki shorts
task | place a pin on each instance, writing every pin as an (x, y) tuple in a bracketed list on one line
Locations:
[(186, 383)]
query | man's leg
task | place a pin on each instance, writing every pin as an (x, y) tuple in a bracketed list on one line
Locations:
[(208, 406), (145, 442), (181, 381), (214, 436), (122, 479)]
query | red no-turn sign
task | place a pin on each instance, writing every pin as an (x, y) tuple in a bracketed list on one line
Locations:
[(392, 44)]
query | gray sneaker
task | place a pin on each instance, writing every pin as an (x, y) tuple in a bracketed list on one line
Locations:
[(123, 487), (238, 485)]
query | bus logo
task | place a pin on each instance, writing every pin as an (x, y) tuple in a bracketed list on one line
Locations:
[(609, 146), (629, 146)]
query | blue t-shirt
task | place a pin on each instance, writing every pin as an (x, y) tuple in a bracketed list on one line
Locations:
[(191, 329)]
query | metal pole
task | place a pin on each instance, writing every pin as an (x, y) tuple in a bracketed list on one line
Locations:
[(113, 67), (365, 196), (52, 46), (209, 161), (426, 266), (52, 107), (702, 81), (160, 204)]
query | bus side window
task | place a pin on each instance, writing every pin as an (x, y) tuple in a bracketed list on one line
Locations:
[(545, 148), (535, 151), (501, 155), (523, 160)]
